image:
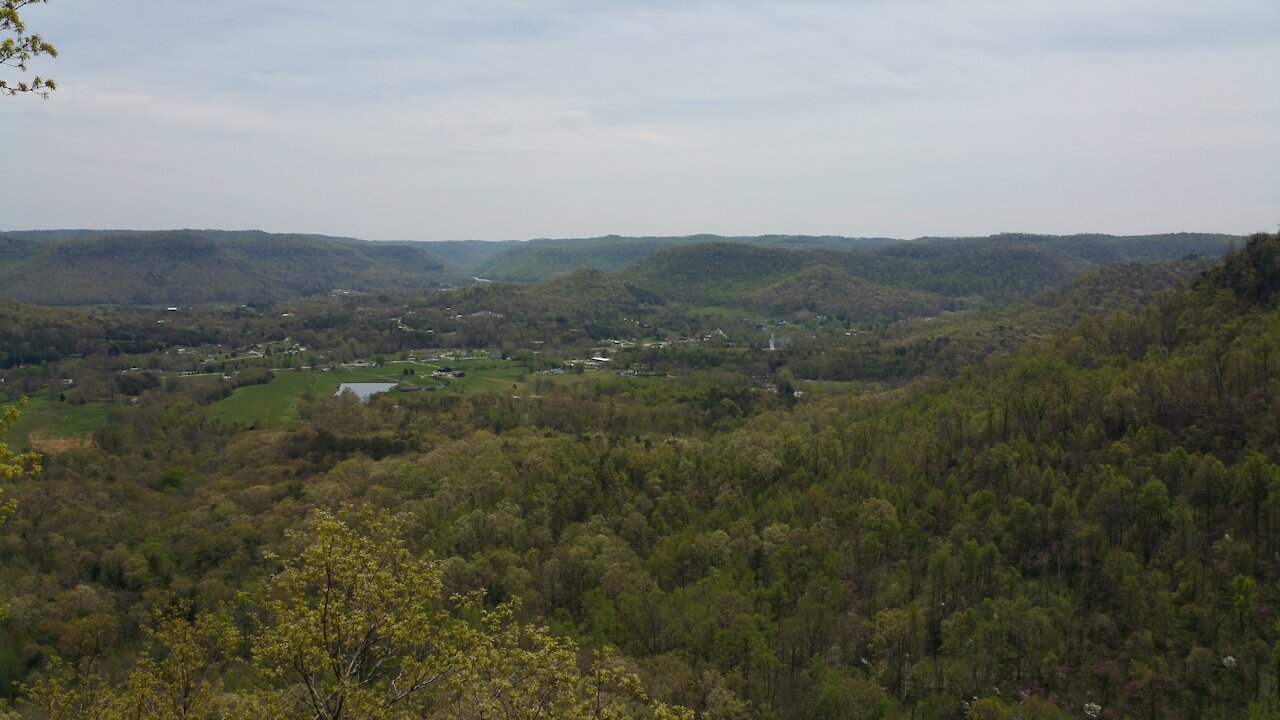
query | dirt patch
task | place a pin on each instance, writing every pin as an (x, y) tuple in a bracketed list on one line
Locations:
[(52, 443)]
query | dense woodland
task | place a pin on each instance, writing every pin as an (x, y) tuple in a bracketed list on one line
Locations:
[(1063, 504), (859, 279), (202, 266)]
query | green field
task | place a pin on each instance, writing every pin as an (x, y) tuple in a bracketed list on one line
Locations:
[(54, 425), (276, 403)]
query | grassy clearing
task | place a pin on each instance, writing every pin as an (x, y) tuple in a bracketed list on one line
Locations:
[(723, 313), (484, 375), (53, 425), (275, 403)]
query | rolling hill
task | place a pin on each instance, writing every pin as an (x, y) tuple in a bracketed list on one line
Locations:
[(534, 260), (864, 278), (826, 290), (542, 259), (186, 266), (924, 276)]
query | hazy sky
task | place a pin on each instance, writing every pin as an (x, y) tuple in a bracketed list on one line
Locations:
[(451, 119)]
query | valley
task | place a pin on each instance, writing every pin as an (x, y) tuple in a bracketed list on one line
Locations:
[(772, 478)]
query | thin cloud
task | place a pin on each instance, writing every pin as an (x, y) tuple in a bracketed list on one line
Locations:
[(542, 117)]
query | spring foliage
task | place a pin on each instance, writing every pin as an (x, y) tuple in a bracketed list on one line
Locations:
[(19, 47), (352, 625), (12, 464)]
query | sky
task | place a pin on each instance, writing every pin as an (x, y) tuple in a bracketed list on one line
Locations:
[(516, 119)]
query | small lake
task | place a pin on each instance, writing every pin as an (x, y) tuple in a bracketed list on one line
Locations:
[(365, 390)]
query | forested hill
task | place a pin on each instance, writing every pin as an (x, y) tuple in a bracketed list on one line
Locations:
[(893, 281), (540, 259), (32, 334), (86, 234), (895, 278), (946, 345), (200, 266)]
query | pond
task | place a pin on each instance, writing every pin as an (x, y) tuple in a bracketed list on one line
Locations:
[(365, 390)]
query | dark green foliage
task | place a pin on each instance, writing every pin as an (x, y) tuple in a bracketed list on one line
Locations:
[(1253, 273), (32, 335), (825, 290)]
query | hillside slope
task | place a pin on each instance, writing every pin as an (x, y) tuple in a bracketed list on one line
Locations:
[(535, 260), (542, 259), (825, 290), (178, 267), (929, 275)]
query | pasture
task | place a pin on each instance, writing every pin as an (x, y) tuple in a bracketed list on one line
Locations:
[(52, 425)]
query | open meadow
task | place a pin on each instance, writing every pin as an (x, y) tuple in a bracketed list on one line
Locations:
[(53, 425)]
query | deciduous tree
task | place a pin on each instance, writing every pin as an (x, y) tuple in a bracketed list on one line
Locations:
[(354, 627), (12, 464), (16, 51)]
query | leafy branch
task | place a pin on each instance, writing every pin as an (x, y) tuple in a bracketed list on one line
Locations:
[(18, 50)]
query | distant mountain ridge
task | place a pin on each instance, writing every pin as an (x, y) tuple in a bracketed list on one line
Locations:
[(200, 266), (896, 280), (859, 278), (534, 260), (541, 259), (878, 284), (81, 234)]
